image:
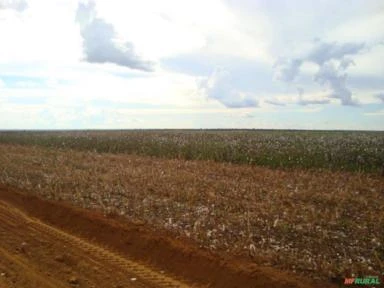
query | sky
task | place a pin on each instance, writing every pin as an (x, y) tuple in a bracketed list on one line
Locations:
[(263, 64)]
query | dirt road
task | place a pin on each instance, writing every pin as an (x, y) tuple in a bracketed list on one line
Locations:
[(34, 254), (52, 244)]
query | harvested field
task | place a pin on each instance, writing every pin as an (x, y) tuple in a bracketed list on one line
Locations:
[(51, 244), (320, 224), (202, 144)]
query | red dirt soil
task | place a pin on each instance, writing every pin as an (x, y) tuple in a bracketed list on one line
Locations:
[(156, 250)]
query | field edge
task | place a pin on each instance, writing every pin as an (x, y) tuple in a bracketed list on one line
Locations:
[(157, 248)]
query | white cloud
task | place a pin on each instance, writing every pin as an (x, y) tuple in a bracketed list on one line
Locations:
[(18, 5), (367, 63), (158, 29), (333, 60), (287, 69), (323, 52), (219, 86), (37, 36), (367, 28), (300, 98), (380, 96), (304, 101), (43, 49), (100, 43), (335, 79), (77, 84), (170, 27)]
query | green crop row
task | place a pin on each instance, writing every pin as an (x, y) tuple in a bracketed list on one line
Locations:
[(337, 150)]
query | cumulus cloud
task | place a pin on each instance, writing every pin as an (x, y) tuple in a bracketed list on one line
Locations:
[(323, 52), (333, 60), (18, 5), (380, 96), (287, 69), (219, 86), (305, 102), (309, 101), (100, 42), (274, 102), (335, 79), (345, 63)]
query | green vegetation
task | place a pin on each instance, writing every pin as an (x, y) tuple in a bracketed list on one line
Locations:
[(335, 150)]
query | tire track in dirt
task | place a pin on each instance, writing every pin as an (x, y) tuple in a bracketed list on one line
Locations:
[(33, 275), (17, 224), (66, 243)]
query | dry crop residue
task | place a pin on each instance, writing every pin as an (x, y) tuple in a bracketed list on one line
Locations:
[(40, 247), (321, 224)]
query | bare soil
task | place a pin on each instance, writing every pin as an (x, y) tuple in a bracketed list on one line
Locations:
[(52, 244)]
